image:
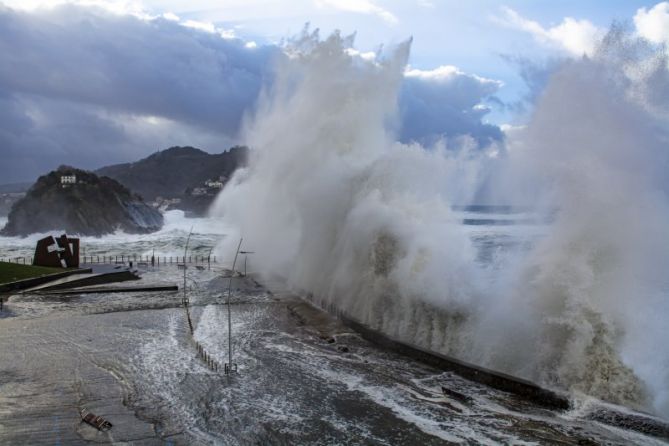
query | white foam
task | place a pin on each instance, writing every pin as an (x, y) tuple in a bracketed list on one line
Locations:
[(169, 241), (341, 210)]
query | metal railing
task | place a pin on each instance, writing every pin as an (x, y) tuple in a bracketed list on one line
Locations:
[(147, 259), (202, 352), (125, 258), (19, 260)]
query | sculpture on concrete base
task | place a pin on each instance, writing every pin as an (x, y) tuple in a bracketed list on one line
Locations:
[(61, 252)]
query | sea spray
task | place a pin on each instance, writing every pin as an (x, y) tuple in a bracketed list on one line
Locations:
[(593, 293), (337, 207), (331, 203)]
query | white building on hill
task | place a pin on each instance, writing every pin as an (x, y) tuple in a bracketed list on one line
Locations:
[(67, 180)]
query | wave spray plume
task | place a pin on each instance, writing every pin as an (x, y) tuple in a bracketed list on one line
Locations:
[(335, 206)]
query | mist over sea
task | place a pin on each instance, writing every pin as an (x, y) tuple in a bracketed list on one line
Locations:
[(382, 230), (170, 241)]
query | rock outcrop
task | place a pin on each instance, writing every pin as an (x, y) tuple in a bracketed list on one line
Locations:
[(170, 173), (80, 202)]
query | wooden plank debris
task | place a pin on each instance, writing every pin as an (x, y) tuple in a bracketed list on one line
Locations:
[(96, 421)]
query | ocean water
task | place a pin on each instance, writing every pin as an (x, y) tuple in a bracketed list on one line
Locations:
[(496, 236), (170, 241), (303, 377)]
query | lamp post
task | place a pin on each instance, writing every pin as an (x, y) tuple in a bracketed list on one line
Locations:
[(229, 366), (246, 253), (186, 252), (209, 257)]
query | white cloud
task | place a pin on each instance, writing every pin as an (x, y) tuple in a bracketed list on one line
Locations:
[(426, 3), (171, 16), (446, 73), (202, 26), (361, 7), (653, 24), (369, 56), (227, 33), (120, 7), (510, 128), (439, 73), (577, 37)]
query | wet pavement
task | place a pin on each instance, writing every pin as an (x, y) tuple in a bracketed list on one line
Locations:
[(303, 377)]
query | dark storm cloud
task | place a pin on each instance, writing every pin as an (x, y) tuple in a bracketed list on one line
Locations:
[(83, 86), (446, 102), (153, 67), (535, 73), (74, 80)]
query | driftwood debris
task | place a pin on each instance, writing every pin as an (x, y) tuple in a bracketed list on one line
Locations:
[(455, 395), (96, 421)]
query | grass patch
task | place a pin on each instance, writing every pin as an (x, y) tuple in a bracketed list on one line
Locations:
[(11, 272)]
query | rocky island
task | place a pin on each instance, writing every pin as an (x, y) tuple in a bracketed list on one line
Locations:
[(80, 202), (183, 178)]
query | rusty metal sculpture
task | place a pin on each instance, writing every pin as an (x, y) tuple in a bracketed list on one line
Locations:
[(57, 252)]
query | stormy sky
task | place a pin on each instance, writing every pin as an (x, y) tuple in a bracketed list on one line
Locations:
[(91, 83)]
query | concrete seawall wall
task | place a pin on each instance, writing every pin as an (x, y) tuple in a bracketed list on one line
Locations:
[(496, 380)]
